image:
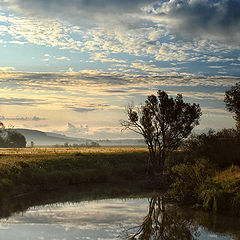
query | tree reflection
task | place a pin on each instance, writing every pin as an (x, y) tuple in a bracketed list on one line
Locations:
[(162, 223)]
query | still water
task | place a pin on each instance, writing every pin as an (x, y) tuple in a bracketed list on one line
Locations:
[(116, 219)]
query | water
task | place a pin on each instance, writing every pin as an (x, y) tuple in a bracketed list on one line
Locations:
[(114, 219)]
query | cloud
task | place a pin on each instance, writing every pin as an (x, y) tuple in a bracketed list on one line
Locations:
[(96, 97), (152, 68), (85, 8), (97, 82), (211, 19), (20, 101), (6, 69), (63, 58), (76, 130), (215, 20), (38, 31), (215, 67), (83, 109), (90, 107), (106, 33)]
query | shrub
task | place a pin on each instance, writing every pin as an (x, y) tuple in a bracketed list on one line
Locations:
[(187, 179), (221, 148), (213, 196)]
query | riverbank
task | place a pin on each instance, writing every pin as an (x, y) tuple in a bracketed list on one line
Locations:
[(98, 208), (34, 171), (202, 185)]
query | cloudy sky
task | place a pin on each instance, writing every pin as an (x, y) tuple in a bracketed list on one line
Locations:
[(72, 66)]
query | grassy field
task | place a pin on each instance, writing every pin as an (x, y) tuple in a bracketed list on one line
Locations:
[(41, 151), (33, 169)]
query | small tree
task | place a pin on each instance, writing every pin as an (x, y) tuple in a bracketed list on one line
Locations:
[(16, 140), (163, 122), (232, 101)]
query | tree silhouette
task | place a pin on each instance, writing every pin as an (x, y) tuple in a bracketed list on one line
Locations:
[(163, 122), (16, 140), (232, 101), (10, 138)]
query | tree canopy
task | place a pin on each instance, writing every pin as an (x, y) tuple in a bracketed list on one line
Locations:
[(232, 101), (163, 122)]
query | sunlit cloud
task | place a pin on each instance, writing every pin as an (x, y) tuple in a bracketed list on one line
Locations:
[(6, 69)]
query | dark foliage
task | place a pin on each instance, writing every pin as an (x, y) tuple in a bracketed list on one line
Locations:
[(220, 148), (232, 101), (12, 139)]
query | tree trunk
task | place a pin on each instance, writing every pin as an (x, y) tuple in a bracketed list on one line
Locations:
[(162, 158), (152, 161)]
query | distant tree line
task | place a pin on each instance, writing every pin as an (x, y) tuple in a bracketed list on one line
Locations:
[(11, 138), (75, 145)]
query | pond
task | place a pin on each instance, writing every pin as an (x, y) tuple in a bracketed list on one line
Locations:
[(117, 218)]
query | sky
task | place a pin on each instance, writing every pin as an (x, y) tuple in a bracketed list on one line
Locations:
[(71, 67)]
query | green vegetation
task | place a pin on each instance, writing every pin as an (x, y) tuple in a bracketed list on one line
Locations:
[(46, 170), (207, 173)]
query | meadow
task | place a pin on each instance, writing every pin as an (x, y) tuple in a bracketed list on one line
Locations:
[(28, 170)]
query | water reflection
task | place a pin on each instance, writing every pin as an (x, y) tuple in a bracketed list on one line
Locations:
[(162, 222), (130, 218)]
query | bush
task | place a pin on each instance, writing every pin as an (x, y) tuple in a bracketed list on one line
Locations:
[(213, 196), (221, 148), (187, 179)]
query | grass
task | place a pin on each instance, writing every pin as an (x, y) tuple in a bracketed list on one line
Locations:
[(230, 174), (84, 150), (33, 169), (221, 193)]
